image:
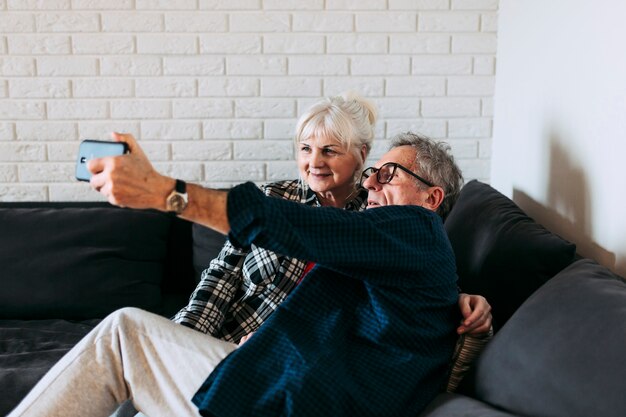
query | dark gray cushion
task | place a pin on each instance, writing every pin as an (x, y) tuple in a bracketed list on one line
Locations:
[(80, 263), (28, 349), (562, 353), (501, 253)]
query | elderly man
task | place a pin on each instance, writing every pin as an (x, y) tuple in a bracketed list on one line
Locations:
[(369, 331)]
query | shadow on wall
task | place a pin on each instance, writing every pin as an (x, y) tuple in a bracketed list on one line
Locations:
[(568, 212)]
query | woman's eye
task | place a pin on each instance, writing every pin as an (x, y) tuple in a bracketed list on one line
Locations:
[(305, 149), (329, 151)]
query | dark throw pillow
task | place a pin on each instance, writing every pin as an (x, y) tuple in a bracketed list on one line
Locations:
[(80, 263), (501, 253)]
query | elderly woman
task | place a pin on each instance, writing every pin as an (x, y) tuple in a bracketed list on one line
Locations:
[(242, 287)]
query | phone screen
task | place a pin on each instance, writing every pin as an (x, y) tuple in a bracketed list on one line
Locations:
[(90, 149)]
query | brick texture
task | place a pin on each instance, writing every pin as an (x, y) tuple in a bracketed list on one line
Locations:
[(213, 88)]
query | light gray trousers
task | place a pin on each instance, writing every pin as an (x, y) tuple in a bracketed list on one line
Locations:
[(132, 354)]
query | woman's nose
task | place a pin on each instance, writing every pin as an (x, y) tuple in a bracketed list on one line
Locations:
[(317, 159)]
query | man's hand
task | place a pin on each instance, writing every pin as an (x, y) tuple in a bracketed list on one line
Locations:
[(130, 180), (476, 313)]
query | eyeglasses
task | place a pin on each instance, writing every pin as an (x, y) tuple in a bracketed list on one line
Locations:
[(385, 173)]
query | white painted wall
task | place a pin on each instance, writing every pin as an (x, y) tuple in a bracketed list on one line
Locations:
[(213, 87), (560, 119)]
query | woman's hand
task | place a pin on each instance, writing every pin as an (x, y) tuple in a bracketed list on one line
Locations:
[(476, 313), (245, 339)]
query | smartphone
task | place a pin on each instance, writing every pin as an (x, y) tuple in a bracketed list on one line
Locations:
[(90, 148)]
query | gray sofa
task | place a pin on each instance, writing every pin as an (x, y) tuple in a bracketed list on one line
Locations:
[(560, 355), (560, 319), (557, 350), (65, 266)]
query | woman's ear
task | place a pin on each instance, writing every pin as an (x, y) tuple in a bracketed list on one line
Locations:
[(363, 152), (435, 198)]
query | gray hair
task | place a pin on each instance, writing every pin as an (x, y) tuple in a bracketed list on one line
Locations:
[(434, 162), (348, 118)]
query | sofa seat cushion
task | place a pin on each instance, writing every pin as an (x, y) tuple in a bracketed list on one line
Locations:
[(28, 349), (501, 253), (80, 263), (562, 352), (455, 405)]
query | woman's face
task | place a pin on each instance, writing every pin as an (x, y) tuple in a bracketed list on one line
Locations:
[(327, 166)]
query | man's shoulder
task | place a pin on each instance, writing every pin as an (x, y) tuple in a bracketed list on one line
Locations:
[(395, 212), (407, 220)]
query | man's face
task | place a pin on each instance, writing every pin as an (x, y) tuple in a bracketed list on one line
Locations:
[(403, 189)]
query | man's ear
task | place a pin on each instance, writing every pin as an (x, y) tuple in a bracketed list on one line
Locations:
[(435, 198)]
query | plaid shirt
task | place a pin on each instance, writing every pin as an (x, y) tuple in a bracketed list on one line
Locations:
[(241, 288)]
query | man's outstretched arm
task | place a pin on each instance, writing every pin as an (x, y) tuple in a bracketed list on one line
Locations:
[(131, 181)]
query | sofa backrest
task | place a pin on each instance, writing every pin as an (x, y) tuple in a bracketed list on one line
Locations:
[(84, 260), (501, 253)]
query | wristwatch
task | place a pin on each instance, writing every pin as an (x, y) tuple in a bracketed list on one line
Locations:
[(176, 201)]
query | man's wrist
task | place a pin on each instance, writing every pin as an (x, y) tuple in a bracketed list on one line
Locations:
[(161, 188), (176, 200)]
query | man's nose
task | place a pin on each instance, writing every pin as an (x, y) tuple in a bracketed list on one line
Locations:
[(370, 183)]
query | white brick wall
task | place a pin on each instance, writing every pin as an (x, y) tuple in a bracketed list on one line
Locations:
[(213, 88)]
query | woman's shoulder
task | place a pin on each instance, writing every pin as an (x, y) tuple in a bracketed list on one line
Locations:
[(287, 189), (358, 202)]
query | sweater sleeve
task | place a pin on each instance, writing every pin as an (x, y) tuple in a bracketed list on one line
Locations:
[(383, 245)]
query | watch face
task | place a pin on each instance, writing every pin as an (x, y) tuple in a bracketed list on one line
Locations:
[(176, 203)]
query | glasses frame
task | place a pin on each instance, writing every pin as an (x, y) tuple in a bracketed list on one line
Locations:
[(394, 166)]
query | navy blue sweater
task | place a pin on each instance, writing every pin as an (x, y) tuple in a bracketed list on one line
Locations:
[(369, 332)]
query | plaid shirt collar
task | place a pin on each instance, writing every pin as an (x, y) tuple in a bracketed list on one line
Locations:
[(357, 203)]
